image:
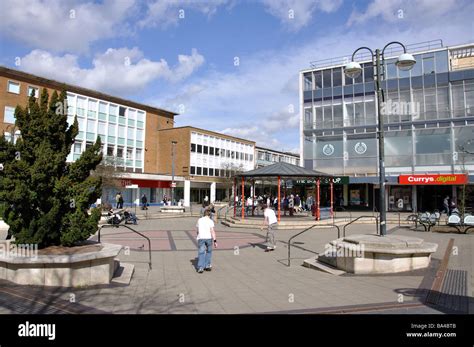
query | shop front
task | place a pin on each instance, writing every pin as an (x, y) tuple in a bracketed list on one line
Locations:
[(132, 189), (425, 192)]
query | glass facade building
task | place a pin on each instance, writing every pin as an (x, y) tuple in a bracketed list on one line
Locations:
[(428, 115)]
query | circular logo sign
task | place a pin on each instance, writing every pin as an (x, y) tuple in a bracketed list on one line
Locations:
[(328, 149), (360, 148)]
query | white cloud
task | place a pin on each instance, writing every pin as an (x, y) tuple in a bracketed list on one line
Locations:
[(163, 14), (405, 10), (252, 101), (120, 71), (63, 26), (296, 14)]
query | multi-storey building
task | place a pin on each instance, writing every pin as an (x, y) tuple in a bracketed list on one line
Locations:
[(207, 160), (137, 141), (265, 156), (428, 121)]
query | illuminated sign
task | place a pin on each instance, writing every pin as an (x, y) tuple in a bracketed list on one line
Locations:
[(433, 179)]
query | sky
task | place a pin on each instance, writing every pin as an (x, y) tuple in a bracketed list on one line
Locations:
[(224, 65)]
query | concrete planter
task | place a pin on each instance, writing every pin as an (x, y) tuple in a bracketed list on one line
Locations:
[(371, 254), (73, 270)]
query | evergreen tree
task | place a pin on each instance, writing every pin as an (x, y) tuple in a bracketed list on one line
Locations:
[(47, 200)]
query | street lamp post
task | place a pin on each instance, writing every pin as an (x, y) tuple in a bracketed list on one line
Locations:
[(173, 143), (352, 70)]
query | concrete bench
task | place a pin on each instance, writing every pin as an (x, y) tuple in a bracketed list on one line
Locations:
[(173, 209)]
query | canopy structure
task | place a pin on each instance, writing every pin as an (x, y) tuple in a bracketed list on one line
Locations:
[(285, 170)]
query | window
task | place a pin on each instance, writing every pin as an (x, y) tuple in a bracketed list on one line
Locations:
[(81, 106), (318, 80), (90, 126), (204, 171), (199, 170), (428, 65), (216, 172), (129, 153), (308, 83), (336, 77), (327, 78), (110, 150), (193, 170), (211, 172), (138, 154), (121, 132), (131, 133), (34, 90), (216, 152), (77, 148), (391, 70), (120, 152), (251, 157), (9, 115), (227, 152), (88, 145), (122, 111), (101, 128), (368, 72), (232, 154), (199, 149), (246, 157), (111, 130), (206, 150), (211, 150), (13, 87), (193, 147)]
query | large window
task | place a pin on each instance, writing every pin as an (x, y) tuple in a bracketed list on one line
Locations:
[(308, 83), (9, 115), (13, 87), (211, 150), (193, 147), (458, 99), (327, 78), (336, 77), (193, 170), (199, 148), (433, 146), (205, 150), (428, 65), (318, 80)]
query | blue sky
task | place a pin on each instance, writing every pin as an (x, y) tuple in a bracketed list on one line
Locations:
[(149, 52)]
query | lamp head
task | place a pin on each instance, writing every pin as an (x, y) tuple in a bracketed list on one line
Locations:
[(405, 61), (353, 69)]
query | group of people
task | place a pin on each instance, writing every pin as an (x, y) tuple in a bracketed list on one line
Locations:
[(290, 203), (119, 201), (449, 206)]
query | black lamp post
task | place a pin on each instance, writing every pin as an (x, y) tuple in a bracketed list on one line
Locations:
[(352, 70)]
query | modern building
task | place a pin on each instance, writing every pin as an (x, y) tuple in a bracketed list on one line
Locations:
[(428, 121), (137, 141), (265, 156), (206, 159)]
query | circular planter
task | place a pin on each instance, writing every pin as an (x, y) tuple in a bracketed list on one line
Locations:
[(64, 270)]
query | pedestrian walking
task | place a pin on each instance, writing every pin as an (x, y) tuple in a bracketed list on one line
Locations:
[(206, 237), (144, 202), (270, 222), (446, 205), (117, 200)]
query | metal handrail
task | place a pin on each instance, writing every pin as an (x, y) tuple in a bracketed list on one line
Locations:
[(346, 225), (305, 230), (219, 210), (137, 232)]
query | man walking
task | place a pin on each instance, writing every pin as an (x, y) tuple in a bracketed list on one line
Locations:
[(144, 202), (270, 221), (206, 237)]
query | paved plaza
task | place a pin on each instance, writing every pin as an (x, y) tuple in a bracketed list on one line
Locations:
[(245, 279)]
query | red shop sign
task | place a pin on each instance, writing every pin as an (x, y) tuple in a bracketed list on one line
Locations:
[(433, 179)]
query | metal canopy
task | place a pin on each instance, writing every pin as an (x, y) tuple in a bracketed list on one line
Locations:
[(282, 169)]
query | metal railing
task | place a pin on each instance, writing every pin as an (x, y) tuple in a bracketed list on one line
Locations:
[(137, 232), (355, 220), (305, 230)]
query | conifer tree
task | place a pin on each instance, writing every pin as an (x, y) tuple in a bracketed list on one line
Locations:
[(47, 200)]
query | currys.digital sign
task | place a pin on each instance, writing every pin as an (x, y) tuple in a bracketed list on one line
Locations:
[(448, 179)]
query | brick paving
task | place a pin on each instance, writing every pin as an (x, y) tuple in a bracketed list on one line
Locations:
[(245, 279)]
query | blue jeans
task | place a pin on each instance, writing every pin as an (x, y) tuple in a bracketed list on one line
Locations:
[(204, 253)]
